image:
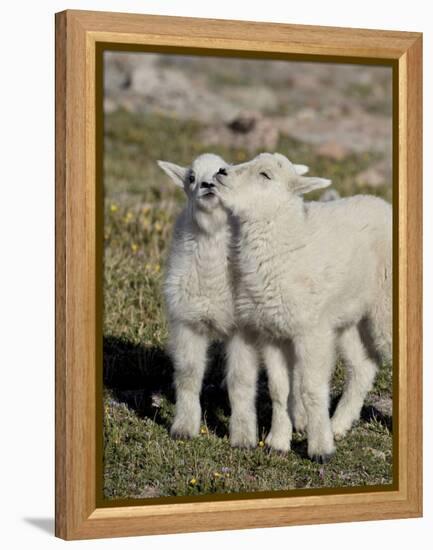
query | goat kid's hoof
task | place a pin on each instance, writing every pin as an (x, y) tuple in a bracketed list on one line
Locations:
[(277, 452), (322, 459), (243, 438), (243, 442), (277, 445), (299, 424), (340, 429), (182, 434), (338, 436), (300, 431), (243, 445)]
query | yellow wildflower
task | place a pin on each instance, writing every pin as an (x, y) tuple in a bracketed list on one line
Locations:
[(217, 474), (203, 430), (134, 247), (158, 226), (128, 217), (114, 208), (193, 481), (261, 443)]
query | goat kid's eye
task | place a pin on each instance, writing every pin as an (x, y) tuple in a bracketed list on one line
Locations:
[(265, 175), (191, 178)]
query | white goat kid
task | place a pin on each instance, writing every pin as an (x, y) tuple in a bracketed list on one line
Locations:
[(199, 295), (197, 288), (312, 274)]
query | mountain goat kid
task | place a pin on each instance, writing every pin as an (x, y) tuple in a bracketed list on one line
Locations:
[(312, 274), (197, 287), (199, 295)]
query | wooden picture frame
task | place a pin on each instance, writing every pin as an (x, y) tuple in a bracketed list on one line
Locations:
[(80, 35)]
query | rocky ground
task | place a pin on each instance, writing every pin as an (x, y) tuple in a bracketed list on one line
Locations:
[(250, 104)]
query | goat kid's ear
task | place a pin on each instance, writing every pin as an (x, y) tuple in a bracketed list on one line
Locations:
[(176, 173), (303, 184), (301, 169)]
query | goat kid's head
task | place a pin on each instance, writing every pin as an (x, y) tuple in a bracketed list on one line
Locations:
[(264, 182), (197, 180)]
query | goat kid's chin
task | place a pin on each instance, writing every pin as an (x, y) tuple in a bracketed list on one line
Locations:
[(207, 201), (210, 219)]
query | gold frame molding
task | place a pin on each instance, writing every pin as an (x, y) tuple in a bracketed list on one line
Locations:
[(80, 38)]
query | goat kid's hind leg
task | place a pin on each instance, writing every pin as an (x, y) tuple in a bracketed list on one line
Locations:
[(242, 372), (188, 350), (280, 436), (315, 357), (297, 410), (361, 372)]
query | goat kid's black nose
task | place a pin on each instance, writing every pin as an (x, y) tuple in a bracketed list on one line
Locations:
[(206, 185), (222, 172)]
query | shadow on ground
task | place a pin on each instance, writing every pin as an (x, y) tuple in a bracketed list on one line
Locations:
[(140, 377)]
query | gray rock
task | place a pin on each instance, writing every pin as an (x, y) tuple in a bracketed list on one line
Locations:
[(329, 195), (333, 150), (382, 404), (371, 177)]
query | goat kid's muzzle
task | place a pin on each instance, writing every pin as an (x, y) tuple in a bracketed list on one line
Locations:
[(206, 189)]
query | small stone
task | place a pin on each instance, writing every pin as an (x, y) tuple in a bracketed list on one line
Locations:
[(149, 492), (242, 124), (376, 453), (371, 177), (329, 195), (383, 405), (247, 131), (332, 150)]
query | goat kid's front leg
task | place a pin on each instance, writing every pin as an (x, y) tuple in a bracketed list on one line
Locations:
[(242, 373), (188, 350), (315, 357), (280, 436)]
